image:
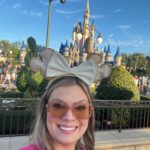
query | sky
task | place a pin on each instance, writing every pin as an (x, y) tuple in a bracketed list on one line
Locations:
[(121, 22)]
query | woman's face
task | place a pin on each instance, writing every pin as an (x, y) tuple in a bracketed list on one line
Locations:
[(64, 125)]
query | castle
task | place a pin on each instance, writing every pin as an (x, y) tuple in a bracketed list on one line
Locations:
[(84, 46)]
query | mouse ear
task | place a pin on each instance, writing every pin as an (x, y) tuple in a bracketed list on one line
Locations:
[(35, 64), (97, 58), (105, 70), (46, 54)]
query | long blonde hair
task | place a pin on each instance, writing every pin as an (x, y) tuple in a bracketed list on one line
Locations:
[(40, 134)]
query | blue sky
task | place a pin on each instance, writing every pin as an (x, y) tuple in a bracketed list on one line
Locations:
[(123, 22)]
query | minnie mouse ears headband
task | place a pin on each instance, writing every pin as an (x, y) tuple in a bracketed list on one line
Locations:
[(52, 64)]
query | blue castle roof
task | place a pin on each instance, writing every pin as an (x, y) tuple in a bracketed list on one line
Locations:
[(108, 50), (23, 46), (105, 49), (117, 52)]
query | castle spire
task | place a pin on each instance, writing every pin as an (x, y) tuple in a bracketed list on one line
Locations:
[(86, 20)]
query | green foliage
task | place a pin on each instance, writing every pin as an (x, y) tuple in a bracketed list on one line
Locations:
[(27, 94), (11, 94), (21, 80), (32, 45), (34, 80), (42, 86), (27, 58), (119, 86)]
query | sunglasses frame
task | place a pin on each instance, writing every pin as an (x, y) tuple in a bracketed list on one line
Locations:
[(72, 108)]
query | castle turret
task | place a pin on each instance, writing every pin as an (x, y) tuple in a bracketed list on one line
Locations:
[(108, 57), (73, 36), (61, 49), (86, 27), (66, 49), (117, 57), (22, 53)]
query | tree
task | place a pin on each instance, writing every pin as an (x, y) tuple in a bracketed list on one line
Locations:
[(119, 86), (136, 62)]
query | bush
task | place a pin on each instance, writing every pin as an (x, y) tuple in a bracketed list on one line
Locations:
[(119, 86), (11, 95), (21, 80)]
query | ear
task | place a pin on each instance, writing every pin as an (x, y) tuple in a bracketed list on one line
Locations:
[(35, 64), (105, 70), (46, 54)]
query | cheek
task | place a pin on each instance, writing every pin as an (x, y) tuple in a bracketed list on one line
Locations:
[(50, 120), (84, 123)]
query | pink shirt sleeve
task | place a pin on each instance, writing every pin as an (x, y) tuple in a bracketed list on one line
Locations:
[(29, 147)]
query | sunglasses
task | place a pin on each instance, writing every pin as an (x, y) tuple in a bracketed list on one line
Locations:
[(81, 110)]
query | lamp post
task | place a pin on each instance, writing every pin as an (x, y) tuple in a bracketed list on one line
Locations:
[(48, 23)]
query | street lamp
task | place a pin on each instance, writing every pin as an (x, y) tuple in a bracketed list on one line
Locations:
[(48, 23)]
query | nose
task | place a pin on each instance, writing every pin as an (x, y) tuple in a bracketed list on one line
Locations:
[(69, 115)]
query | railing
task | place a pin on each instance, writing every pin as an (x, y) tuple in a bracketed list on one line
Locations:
[(115, 114), (17, 115)]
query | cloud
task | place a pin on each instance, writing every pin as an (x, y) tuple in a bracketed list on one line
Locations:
[(45, 3), (147, 21), (68, 12), (97, 16), (73, 0), (32, 13), (117, 10), (17, 5), (124, 27)]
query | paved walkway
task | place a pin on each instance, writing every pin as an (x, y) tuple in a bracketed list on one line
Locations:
[(103, 139)]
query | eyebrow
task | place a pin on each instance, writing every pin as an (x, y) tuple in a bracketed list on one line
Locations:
[(60, 100)]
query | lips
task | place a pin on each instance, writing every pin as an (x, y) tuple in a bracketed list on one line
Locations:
[(67, 129)]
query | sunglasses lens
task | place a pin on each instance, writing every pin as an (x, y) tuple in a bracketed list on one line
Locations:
[(82, 111), (56, 109)]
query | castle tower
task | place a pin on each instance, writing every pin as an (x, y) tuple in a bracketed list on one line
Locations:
[(108, 57), (86, 26), (73, 36), (22, 53), (117, 57), (66, 49)]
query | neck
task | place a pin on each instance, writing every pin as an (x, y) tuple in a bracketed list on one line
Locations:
[(63, 146)]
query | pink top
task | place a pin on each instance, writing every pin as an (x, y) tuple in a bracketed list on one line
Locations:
[(30, 147), (33, 147)]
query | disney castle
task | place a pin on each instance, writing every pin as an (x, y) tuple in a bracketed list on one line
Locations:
[(84, 46)]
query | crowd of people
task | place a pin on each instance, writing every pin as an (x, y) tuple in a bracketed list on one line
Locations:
[(8, 74)]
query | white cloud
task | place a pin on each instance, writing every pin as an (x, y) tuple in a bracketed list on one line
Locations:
[(43, 2), (32, 13), (17, 5), (68, 12), (124, 27), (73, 1), (97, 16), (117, 10), (147, 21)]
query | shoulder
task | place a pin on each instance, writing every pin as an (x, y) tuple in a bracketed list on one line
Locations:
[(29, 147)]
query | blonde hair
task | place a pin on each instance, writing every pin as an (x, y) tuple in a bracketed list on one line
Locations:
[(41, 136)]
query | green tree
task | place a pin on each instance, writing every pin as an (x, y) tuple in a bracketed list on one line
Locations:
[(119, 86), (21, 83)]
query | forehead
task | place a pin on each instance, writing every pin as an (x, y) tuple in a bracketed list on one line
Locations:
[(69, 94)]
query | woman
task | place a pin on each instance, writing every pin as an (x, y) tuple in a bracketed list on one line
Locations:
[(64, 116)]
